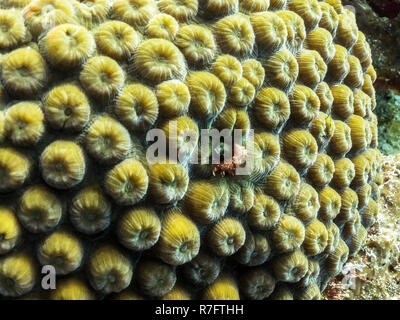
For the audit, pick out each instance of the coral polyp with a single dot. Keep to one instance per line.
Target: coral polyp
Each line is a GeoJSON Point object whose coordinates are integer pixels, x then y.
{"type": "Point", "coordinates": [116, 39]}
{"type": "Point", "coordinates": [282, 69]}
{"type": "Point", "coordinates": [14, 167]}
{"type": "Point", "coordinates": [180, 10]}
{"type": "Point", "coordinates": [102, 77]}
{"type": "Point", "coordinates": [257, 284]}
{"type": "Point", "coordinates": [137, 107]}
{"type": "Point", "coordinates": [235, 35]}
{"type": "Point", "coordinates": [270, 31]}
{"type": "Point", "coordinates": [184, 149]}
{"type": "Point", "coordinates": [197, 44]}
{"type": "Point", "coordinates": [162, 26]}
{"type": "Point", "coordinates": [17, 272]}
{"type": "Point", "coordinates": [24, 72]}
{"type": "Point", "coordinates": [321, 41]}
{"type": "Point", "coordinates": [136, 13]}
{"type": "Point", "coordinates": [154, 277]}
{"type": "Point", "coordinates": [107, 140]}
{"type": "Point", "coordinates": [67, 46]}
{"type": "Point", "coordinates": [14, 31]}
{"type": "Point", "coordinates": [109, 270]}
{"type": "Point", "coordinates": [43, 15]}
{"type": "Point", "coordinates": [10, 229]}
{"type": "Point", "coordinates": [66, 107]}
{"type": "Point", "coordinates": [312, 68]}
{"type": "Point", "coordinates": [62, 250]}
{"type": "Point", "coordinates": [179, 239]}
{"type": "Point", "coordinates": [139, 229]}
{"type": "Point", "coordinates": [271, 108]}
{"type": "Point", "coordinates": [24, 123]}
{"type": "Point", "coordinates": [289, 234]}
{"type": "Point", "coordinates": [90, 210]}
{"type": "Point", "coordinates": [127, 182]}
{"type": "Point", "coordinates": [296, 30]}
{"type": "Point", "coordinates": [209, 92]}
{"type": "Point", "coordinates": [168, 182]}
{"type": "Point", "coordinates": [39, 210]}
{"type": "Point", "coordinates": [265, 212]}
{"type": "Point", "coordinates": [71, 289]}
{"type": "Point", "coordinates": [228, 69]}
{"type": "Point", "coordinates": [224, 288]}
{"type": "Point", "coordinates": [253, 72]}
{"type": "Point", "coordinates": [63, 164]}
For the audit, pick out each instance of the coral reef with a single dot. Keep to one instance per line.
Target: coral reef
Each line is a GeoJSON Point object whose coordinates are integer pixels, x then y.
{"type": "Point", "coordinates": [374, 274]}
{"type": "Point", "coordinates": [81, 87]}
{"type": "Point", "coordinates": [380, 21]}
{"type": "Point", "coordinates": [389, 120]}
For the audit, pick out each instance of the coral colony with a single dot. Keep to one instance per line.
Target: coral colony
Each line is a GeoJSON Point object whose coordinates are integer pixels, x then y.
{"type": "Point", "coordinates": [83, 83]}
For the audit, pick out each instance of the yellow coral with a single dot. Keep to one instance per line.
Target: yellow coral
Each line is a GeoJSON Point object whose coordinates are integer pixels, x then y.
{"type": "Point", "coordinates": [9, 229]}
{"type": "Point", "coordinates": [67, 46]}
{"type": "Point", "coordinates": [127, 182]}
{"type": "Point", "coordinates": [13, 30]}
{"type": "Point", "coordinates": [24, 72]}
{"type": "Point", "coordinates": [235, 35]}
{"type": "Point", "coordinates": [105, 173]}
{"type": "Point", "coordinates": [14, 169]}
{"type": "Point", "coordinates": [158, 60]}
{"type": "Point", "coordinates": [39, 210]}
{"type": "Point", "coordinates": [102, 77]}
{"type": "Point", "coordinates": [24, 123]}
{"type": "Point", "coordinates": [63, 164]}
{"type": "Point", "coordinates": [197, 44]}
{"type": "Point", "coordinates": [137, 107]}
{"type": "Point", "coordinates": [116, 39]}
{"type": "Point", "coordinates": [136, 13]}
{"type": "Point", "coordinates": [179, 239]}
{"type": "Point", "coordinates": [67, 107]}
